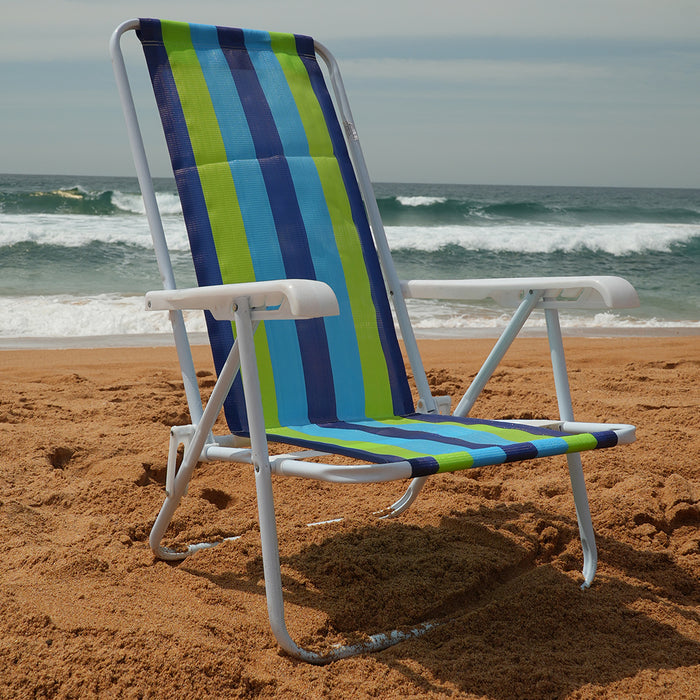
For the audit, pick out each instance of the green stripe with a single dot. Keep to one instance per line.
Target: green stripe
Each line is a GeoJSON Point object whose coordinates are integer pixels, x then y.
{"type": "Point", "coordinates": [217, 184]}
{"type": "Point", "coordinates": [454, 461]}
{"type": "Point", "coordinates": [370, 447]}
{"type": "Point", "coordinates": [581, 442]}
{"type": "Point", "coordinates": [378, 400]}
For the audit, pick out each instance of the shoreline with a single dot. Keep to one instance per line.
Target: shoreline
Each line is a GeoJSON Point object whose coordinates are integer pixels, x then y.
{"type": "Point", "coordinates": [136, 340]}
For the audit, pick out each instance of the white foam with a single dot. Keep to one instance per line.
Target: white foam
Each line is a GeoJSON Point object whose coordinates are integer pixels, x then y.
{"type": "Point", "coordinates": [76, 230]}
{"type": "Point", "coordinates": [614, 239]}
{"type": "Point", "coordinates": [420, 201]}
{"type": "Point", "coordinates": [66, 316]}
{"type": "Point", "coordinates": [62, 315]}
{"type": "Point", "coordinates": [168, 203]}
{"type": "Point", "coordinates": [428, 315]}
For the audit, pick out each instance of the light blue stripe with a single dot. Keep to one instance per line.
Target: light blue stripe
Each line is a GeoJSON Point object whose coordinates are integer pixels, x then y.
{"type": "Point", "coordinates": [257, 216]}
{"type": "Point", "coordinates": [346, 365]}
{"type": "Point", "coordinates": [464, 433]}
{"type": "Point", "coordinates": [277, 93]}
{"type": "Point", "coordinates": [420, 448]}
{"type": "Point", "coordinates": [485, 456]}
{"type": "Point", "coordinates": [550, 446]}
{"type": "Point", "coordinates": [348, 381]}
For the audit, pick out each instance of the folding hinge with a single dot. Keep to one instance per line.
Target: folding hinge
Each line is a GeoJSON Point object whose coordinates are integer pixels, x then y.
{"type": "Point", "coordinates": [179, 435]}
{"type": "Point", "coordinates": [443, 404]}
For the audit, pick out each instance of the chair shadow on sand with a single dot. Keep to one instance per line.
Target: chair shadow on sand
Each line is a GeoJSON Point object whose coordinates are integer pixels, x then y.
{"type": "Point", "coordinates": [514, 621]}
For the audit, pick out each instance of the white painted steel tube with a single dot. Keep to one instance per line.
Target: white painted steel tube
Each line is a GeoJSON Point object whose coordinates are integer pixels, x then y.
{"type": "Point", "coordinates": [155, 224]}
{"type": "Point", "coordinates": [391, 278]}
{"type": "Point", "coordinates": [196, 446]}
{"type": "Point", "coordinates": [566, 413]}
{"type": "Point", "coordinates": [499, 350]}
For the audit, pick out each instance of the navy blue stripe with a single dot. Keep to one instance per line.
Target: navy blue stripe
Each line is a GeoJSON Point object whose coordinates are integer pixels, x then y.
{"type": "Point", "coordinates": [181, 154]}
{"type": "Point", "coordinates": [194, 207]}
{"type": "Point", "coordinates": [407, 434]}
{"type": "Point", "coordinates": [606, 438]}
{"type": "Point", "coordinates": [344, 450]}
{"type": "Point", "coordinates": [423, 466]}
{"type": "Point", "coordinates": [401, 392]}
{"type": "Point", "coordinates": [519, 451]}
{"type": "Point", "coordinates": [291, 234]}
{"type": "Point", "coordinates": [505, 425]}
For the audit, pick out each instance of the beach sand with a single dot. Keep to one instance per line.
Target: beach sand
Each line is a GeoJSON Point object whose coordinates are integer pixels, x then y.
{"type": "Point", "coordinates": [86, 611]}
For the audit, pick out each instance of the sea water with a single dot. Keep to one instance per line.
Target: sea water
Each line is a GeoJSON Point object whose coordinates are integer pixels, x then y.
{"type": "Point", "coordinates": [76, 256]}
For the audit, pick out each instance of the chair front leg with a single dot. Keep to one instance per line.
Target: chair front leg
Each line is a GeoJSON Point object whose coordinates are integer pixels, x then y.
{"type": "Point", "coordinates": [191, 456]}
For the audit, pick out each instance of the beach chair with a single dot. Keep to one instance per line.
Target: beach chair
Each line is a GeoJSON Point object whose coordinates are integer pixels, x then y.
{"type": "Point", "coordinates": [297, 284]}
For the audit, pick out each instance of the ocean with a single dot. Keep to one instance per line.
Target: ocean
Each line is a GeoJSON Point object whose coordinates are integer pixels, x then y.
{"type": "Point", "coordinates": [75, 255]}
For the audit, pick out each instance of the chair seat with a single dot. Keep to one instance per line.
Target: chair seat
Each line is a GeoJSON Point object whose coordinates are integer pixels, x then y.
{"type": "Point", "coordinates": [434, 443]}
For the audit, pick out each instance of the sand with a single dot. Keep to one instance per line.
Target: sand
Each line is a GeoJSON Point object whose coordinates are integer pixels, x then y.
{"type": "Point", "coordinates": [86, 611]}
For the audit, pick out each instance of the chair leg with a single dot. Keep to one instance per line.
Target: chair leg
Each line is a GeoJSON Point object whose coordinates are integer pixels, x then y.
{"type": "Point", "coordinates": [404, 503]}
{"type": "Point", "coordinates": [578, 484]}
{"type": "Point", "coordinates": [192, 454]}
{"type": "Point", "coordinates": [583, 515]}
{"type": "Point", "coordinates": [174, 494]}
{"type": "Point", "coordinates": [266, 515]}
{"type": "Point", "coordinates": [275, 595]}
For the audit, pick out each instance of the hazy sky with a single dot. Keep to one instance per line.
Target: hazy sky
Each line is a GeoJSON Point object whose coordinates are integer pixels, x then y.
{"type": "Point", "coordinates": [568, 92]}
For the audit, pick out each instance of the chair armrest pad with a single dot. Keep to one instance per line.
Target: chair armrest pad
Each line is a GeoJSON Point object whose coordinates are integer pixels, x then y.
{"type": "Point", "coordinates": [591, 292]}
{"type": "Point", "coordinates": [273, 299]}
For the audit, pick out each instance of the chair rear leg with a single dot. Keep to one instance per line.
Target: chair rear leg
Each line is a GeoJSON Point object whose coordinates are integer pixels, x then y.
{"type": "Point", "coordinates": [566, 412]}
{"type": "Point", "coordinates": [583, 515]}
{"type": "Point", "coordinates": [407, 499]}
{"type": "Point", "coordinates": [177, 490]}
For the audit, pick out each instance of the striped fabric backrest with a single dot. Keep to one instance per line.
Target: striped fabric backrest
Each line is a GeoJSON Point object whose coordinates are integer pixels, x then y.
{"type": "Point", "coordinates": [268, 192]}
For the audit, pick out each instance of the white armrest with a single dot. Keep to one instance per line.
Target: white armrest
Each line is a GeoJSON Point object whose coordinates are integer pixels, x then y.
{"type": "Point", "coordinates": [560, 292]}
{"type": "Point", "coordinates": [279, 299]}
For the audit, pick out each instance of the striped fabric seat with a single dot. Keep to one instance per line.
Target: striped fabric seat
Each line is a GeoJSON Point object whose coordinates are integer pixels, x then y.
{"type": "Point", "coordinates": [268, 192]}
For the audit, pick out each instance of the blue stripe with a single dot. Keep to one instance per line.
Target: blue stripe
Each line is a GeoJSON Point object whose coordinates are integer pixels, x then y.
{"type": "Point", "coordinates": [457, 437]}
{"type": "Point", "coordinates": [401, 392]}
{"type": "Point", "coordinates": [289, 226]}
{"type": "Point", "coordinates": [347, 450]}
{"type": "Point", "coordinates": [257, 216]}
{"type": "Point", "coordinates": [344, 352]}
{"type": "Point", "coordinates": [453, 434]}
{"type": "Point", "coordinates": [348, 380]}
{"type": "Point", "coordinates": [418, 443]}
{"type": "Point", "coordinates": [194, 206]}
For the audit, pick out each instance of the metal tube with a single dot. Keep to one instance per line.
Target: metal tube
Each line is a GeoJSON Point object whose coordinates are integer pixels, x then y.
{"type": "Point", "coordinates": [155, 223]}
{"type": "Point", "coordinates": [384, 252]}
{"type": "Point", "coordinates": [566, 413]}
{"type": "Point", "coordinates": [499, 350]}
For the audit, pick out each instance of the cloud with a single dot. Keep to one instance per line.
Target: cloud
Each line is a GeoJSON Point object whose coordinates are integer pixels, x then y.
{"type": "Point", "coordinates": [600, 92]}
{"type": "Point", "coordinates": [68, 29]}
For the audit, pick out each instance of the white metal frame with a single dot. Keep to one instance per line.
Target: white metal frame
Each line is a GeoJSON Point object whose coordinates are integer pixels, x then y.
{"type": "Point", "coordinates": [248, 304]}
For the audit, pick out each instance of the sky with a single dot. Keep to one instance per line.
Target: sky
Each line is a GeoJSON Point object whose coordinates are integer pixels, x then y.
{"type": "Point", "coordinates": [534, 92]}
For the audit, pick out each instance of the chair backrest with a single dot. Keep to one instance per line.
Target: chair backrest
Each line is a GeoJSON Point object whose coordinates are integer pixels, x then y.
{"type": "Point", "coordinates": [268, 191]}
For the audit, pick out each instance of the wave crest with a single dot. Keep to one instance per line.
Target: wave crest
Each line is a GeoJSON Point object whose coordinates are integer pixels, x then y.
{"type": "Point", "coordinates": [79, 201]}
{"type": "Point", "coordinates": [617, 240]}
